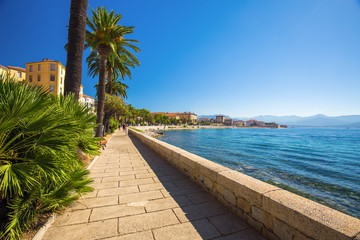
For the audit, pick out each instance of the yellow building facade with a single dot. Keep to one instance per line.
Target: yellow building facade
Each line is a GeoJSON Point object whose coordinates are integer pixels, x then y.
{"type": "Point", "coordinates": [18, 73]}
{"type": "Point", "coordinates": [47, 73]}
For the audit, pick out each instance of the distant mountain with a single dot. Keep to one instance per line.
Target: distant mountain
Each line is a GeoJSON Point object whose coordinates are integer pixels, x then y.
{"type": "Point", "coordinates": [318, 120]}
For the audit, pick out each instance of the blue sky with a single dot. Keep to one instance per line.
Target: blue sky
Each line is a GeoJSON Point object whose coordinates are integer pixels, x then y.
{"type": "Point", "coordinates": [240, 58]}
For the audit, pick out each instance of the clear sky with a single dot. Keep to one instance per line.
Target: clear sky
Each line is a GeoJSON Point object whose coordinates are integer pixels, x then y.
{"type": "Point", "coordinates": [235, 57]}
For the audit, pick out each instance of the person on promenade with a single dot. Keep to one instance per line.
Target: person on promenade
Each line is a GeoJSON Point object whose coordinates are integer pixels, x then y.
{"type": "Point", "coordinates": [126, 129]}
{"type": "Point", "coordinates": [123, 127]}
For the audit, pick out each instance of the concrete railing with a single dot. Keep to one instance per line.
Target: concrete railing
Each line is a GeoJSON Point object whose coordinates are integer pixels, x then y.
{"type": "Point", "coordinates": [274, 212]}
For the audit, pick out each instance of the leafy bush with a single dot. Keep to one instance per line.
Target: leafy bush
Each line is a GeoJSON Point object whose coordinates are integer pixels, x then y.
{"type": "Point", "coordinates": [40, 136]}
{"type": "Point", "coordinates": [113, 124]}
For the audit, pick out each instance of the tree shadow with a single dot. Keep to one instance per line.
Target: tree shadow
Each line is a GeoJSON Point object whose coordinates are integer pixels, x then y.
{"type": "Point", "coordinates": [206, 215]}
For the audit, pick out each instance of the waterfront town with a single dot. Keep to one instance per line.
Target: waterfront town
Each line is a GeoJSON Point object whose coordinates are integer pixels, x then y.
{"type": "Point", "coordinates": [219, 120]}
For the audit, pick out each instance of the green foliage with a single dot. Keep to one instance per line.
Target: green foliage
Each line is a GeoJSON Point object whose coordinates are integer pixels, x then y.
{"type": "Point", "coordinates": [40, 136]}
{"type": "Point", "coordinates": [114, 105]}
{"type": "Point", "coordinates": [113, 125]}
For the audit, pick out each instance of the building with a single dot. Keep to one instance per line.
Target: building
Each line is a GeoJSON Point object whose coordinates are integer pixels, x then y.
{"type": "Point", "coordinates": [47, 73]}
{"type": "Point", "coordinates": [239, 123]}
{"type": "Point", "coordinates": [220, 118]}
{"type": "Point", "coordinates": [204, 119]}
{"type": "Point", "coordinates": [3, 70]}
{"type": "Point", "coordinates": [250, 123]}
{"type": "Point", "coordinates": [254, 123]}
{"type": "Point", "coordinates": [18, 73]}
{"type": "Point", "coordinates": [156, 113]}
{"type": "Point", "coordinates": [89, 102]}
{"type": "Point", "coordinates": [272, 125]}
{"type": "Point", "coordinates": [173, 115]}
{"type": "Point", "coordinates": [228, 121]}
{"type": "Point", "coordinates": [192, 117]}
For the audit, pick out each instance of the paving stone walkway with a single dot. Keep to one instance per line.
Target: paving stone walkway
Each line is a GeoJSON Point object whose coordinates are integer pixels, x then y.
{"type": "Point", "coordinates": [139, 196]}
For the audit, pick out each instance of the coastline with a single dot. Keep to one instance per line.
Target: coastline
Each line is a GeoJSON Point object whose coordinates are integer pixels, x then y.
{"type": "Point", "coordinates": [153, 131]}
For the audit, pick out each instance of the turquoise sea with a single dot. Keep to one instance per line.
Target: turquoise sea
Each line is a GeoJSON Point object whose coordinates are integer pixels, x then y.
{"type": "Point", "coordinates": [318, 163]}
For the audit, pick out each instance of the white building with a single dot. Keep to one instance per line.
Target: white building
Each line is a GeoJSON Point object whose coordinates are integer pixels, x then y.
{"type": "Point", "coordinates": [89, 102]}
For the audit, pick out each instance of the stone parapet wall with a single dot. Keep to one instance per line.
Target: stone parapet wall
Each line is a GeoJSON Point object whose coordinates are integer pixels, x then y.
{"type": "Point", "coordinates": [276, 213]}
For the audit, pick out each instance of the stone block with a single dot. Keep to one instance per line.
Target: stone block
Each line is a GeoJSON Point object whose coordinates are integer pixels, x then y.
{"type": "Point", "coordinates": [283, 231]}
{"type": "Point", "coordinates": [253, 222]}
{"type": "Point", "coordinates": [208, 168]}
{"type": "Point", "coordinates": [116, 211]}
{"type": "Point", "coordinates": [94, 230]}
{"type": "Point", "coordinates": [299, 236]}
{"type": "Point", "coordinates": [198, 211]}
{"type": "Point", "coordinates": [135, 182]}
{"type": "Point", "coordinates": [187, 160]}
{"type": "Point", "coordinates": [244, 186]}
{"type": "Point", "coordinates": [166, 203]}
{"type": "Point", "coordinates": [117, 191]}
{"type": "Point", "coordinates": [243, 205]}
{"type": "Point", "coordinates": [151, 187]}
{"type": "Point", "coordinates": [219, 189]}
{"type": "Point", "coordinates": [138, 197]}
{"type": "Point", "coordinates": [229, 196]}
{"type": "Point", "coordinates": [95, 202]}
{"type": "Point", "coordinates": [312, 219]}
{"type": "Point", "coordinates": [268, 234]}
{"type": "Point", "coordinates": [199, 197]}
{"type": "Point", "coordinates": [146, 235]}
{"type": "Point", "coordinates": [146, 221]}
{"type": "Point", "coordinates": [228, 223]}
{"type": "Point", "coordinates": [263, 217]}
{"type": "Point", "coordinates": [73, 217]}
{"type": "Point", "coordinates": [195, 230]}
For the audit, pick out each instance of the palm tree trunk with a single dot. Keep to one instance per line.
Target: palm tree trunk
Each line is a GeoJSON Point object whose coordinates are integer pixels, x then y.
{"type": "Point", "coordinates": [109, 82]}
{"type": "Point", "coordinates": [107, 122]}
{"type": "Point", "coordinates": [76, 42]}
{"type": "Point", "coordinates": [101, 95]}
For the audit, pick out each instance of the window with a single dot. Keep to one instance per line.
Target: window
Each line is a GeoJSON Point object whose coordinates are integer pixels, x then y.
{"type": "Point", "coordinates": [52, 77]}
{"type": "Point", "coordinates": [52, 68]}
{"type": "Point", "coordinates": [60, 80]}
{"type": "Point", "coordinates": [38, 78]}
{"type": "Point", "coordinates": [62, 70]}
{"type": "Point", "coordinates": [19, 74]}
{"type": "Point", "coordinates": [30, 70]}
{"type": "Point", "coordinates": [39, 67]}
{"type": "Point", "coordinates": [30, 78]}
{"type": "Point", "coordinates": [52, 88]}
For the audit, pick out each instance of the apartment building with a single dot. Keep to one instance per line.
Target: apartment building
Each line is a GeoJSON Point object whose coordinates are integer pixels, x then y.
{"type": "Point", "coordinates": [18, 73]}
{"type": "Point", "coordinates": [220, 118]}
{"type": "Point", "coordinates": [47, 73]}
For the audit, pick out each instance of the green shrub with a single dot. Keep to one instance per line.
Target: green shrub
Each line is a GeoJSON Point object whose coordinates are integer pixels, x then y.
{"type": "Point", "coordinates": [113, 124]}
{"type": "Point", "coordinates": [40, 136]}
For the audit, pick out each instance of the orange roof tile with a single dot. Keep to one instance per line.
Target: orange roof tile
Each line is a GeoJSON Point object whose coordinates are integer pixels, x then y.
{"type": "Point", "coordinates": [17, 68]}
{"type": "Point", "coordinates": [87, 96]}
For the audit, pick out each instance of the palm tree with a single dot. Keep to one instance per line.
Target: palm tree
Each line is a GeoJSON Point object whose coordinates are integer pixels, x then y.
{"type": "Point", "coordinates": [40, 137]}
{"type": "Point", "coordinates": [75, 46]}
{"type": "Point", "coordinates": [117, 64]}
{"type": "Point", "coordinates": [105, 38]}
{"type": "Point", "coordinates": [119, 89]}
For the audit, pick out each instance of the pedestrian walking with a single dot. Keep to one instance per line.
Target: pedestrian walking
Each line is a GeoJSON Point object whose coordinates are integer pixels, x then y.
{"type": "Point", "coordinates": [126, 129]}
{"type": "Point", "coordinates": [123, 127]}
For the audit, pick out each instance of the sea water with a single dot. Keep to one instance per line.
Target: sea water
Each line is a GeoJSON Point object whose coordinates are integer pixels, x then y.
{"type": "Point", "coordinates": [318, 163]}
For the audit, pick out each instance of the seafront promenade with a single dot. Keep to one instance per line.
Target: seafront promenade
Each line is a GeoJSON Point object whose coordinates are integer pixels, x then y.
{"type": "Point", "coordinates": [139, 196]}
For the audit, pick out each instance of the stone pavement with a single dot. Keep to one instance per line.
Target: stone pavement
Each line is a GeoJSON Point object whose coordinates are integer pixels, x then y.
{"type": "Point", "coordinates": [139, 196]}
